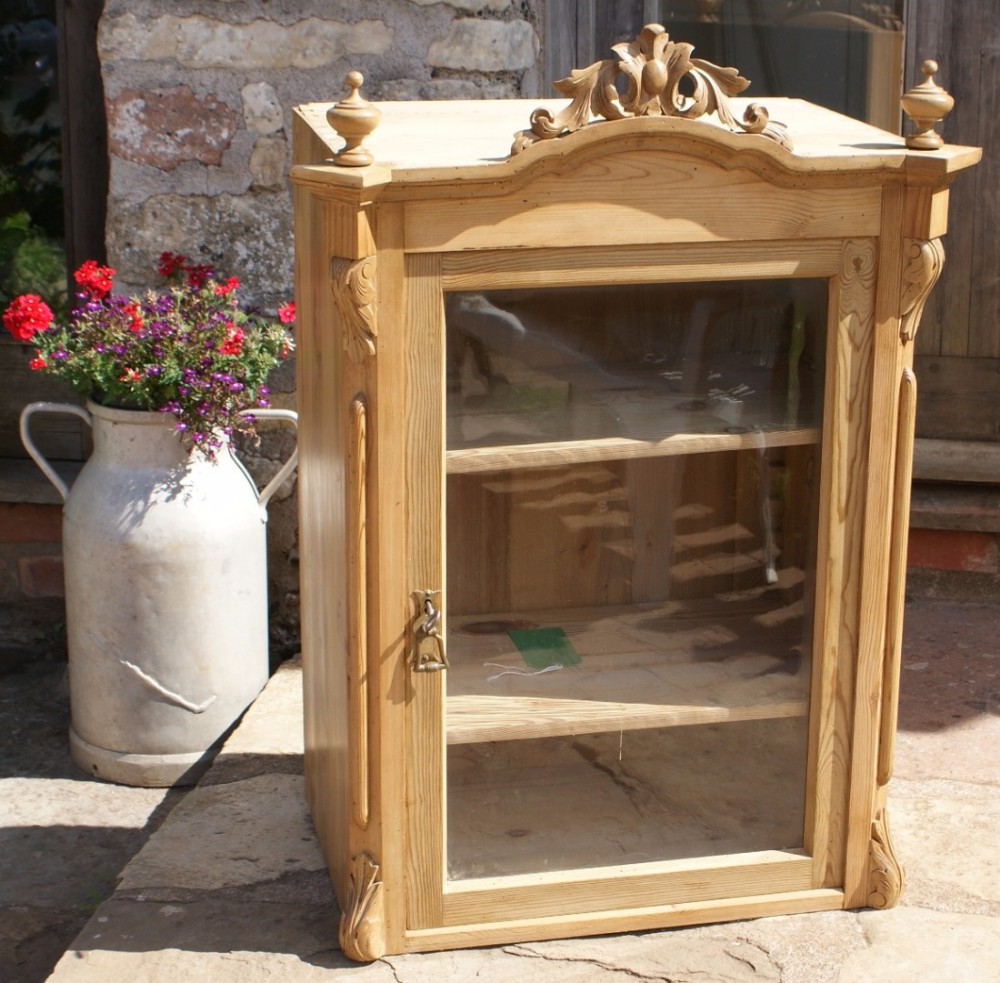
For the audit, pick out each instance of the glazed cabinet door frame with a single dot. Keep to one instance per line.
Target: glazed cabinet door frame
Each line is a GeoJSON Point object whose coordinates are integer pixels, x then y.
{"type": "Point", "coordinates": [668, 892]}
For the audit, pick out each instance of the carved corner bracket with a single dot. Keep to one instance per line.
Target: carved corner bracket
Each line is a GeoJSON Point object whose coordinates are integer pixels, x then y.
{"type": "Point", "coordinates": [885, 875]}
{"type": "Point", "coordinates": [923, 261]}
{"type": "Point", "coordinates": [653, 67]}
{"type": "Point", "coordinates": [353, 285]}
{"type": "Point", "coordinates": [362, 924]}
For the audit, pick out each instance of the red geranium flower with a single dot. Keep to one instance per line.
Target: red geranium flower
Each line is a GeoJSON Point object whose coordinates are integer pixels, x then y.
{"type": "Point", "coordinates": [197, 275]}
{"type": "Point", "coordinates": [96, 280]}
{"type": "Point", "coordinates": [132, 311]}
{"type": "Point", "coordinates": [38, 363]}
{"type": "Point", "coordinates": [223, 289]}
{"type": "Point", "coordinates": [25, 315]}
{"type": "Point", "coordinates": [170, 263]}
{"type": "Point", "coordinates": [233, 345]}
{"type": "Point", "coordinates": [286, 313]}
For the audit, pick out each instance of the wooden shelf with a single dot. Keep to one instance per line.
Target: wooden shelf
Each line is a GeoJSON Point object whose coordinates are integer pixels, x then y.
{"type": "Point", "coordinates": [502, 458]}
{"type": "Point", "coordinates": [641, 667]}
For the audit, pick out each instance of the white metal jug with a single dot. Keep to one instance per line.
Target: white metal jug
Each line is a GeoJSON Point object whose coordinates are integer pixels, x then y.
{"type": "Point", "coordinates": [166, 594]}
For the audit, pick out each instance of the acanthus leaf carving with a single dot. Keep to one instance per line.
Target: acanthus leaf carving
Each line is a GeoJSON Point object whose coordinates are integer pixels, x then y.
{"type": "Point", "coordinates": [362, 923]}
{"type": "Point", "coordinates": [923, 261]}
{"type": "Point", "coordinates": [353, 284]}
{"type": "Point", "coordinates": [654, 67]}
{"type": "Point", "coordinates": [885, 875]}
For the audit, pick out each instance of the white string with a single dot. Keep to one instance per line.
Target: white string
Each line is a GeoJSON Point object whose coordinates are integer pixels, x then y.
{"type": "Point", "coordinates": [517, 671]}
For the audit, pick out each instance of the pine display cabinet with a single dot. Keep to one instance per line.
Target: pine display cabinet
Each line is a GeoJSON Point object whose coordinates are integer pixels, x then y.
{"type": "Point", "coordinates": [604, 476]}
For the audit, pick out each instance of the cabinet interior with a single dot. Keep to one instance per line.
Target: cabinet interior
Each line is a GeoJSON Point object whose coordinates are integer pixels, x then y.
{"type": "Point", "coordinates": [631, 500]}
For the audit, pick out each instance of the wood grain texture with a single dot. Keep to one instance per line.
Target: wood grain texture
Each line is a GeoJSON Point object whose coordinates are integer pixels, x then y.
{"type": "Point", "coordinates": [846, 402]}
{"type": "Point", "coordinates": [653, 263]}
{"type": "Point", "coordinates": [424, 482]}
{"type": "Point", "coordinates": [662, 198]}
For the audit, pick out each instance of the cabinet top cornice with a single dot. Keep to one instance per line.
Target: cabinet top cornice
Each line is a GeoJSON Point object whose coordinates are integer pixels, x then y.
{"type": "Point", "coordinates": [467, 143]}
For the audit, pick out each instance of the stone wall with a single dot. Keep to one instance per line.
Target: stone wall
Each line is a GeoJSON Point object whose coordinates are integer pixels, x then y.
{"type": "Point", "coordinates": [199, 96]}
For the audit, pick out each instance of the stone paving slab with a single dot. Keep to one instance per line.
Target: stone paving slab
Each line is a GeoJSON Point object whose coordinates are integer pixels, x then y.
{"type": "Point", "coordinates": [232, 886]}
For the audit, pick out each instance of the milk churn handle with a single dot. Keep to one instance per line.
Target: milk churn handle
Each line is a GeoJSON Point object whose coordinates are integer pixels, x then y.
{"type": "Point", "coordinates": [29, 445]}
{"type": "Point", "coordinates": [289, 466]}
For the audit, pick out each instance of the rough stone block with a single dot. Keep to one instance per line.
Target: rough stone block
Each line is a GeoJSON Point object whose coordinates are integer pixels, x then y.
{"type": "Point", "coordinates": [203, 42]}
{"type": "Point", "coordinates": [486, 46]}
{"type": "Point", "coordinates": [164, 128]}
{"type": "Point", "coordinates": [248, 236]}
{"type": "Point", "coordinates": [472, 6]}
{"type": "Point", "coordinates": [262, 108]}
{"type": "Point", "coordinates": [407, 89]}
{"type": "Point", "coordinates": [269, 163]}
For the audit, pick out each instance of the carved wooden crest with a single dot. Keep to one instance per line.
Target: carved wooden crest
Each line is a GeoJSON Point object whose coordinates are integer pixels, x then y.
{"type": "Point", "coordinates": [653, 67]}
{"type": "Point", "coordinates": [353, 284]}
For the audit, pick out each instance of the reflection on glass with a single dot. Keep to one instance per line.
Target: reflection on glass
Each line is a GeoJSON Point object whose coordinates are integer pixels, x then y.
{"type": "Point", "coordinates": [634, 362]}
{"type": "Point", "coordinates": [846, 55]}
{"type": "Point", "coordinates": [631, 505]}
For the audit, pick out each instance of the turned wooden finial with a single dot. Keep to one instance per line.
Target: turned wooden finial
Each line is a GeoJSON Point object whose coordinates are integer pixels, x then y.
{"type": "Point", "coordinates": [353, 118]}
{"type": "Point", "coordinates": [926, 104]}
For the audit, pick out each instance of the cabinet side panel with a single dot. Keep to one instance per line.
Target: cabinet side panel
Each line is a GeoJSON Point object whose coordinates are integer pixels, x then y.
{"type": "Point", "coordinates": [321, 537]}
{"type": "Point", "coordinates": [883, 386]}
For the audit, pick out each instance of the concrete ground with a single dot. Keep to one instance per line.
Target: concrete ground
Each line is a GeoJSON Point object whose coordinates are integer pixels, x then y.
{"type": "Point", "coordinates": [225, 882]}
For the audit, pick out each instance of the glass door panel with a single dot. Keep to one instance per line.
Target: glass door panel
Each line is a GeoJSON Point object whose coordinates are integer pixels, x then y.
{"type": "Point", "coordinates": [631, 506]}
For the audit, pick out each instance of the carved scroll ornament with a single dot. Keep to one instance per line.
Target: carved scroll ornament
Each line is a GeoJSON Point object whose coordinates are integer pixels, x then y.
{"type": "Point", "coordinates": [362, 924]}
{"type": "Point", "coordinates": [653, 67]}
{"type": "Point", "coordinates": [353, 284]}
{"type": "Point", "coordinates": [885, 875]}
{"type": "Point", "coordinates": [922, 264]}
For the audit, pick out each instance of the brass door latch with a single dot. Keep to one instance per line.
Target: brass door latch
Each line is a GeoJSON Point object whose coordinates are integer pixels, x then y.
{"type": "Point", "coordinates": [428, 650]}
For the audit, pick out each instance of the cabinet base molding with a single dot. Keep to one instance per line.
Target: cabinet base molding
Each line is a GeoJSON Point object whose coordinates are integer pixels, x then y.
{"type": "Point", "coordinates": [362, 924]}
{"type": "Point", "coordinates": [625, 920]}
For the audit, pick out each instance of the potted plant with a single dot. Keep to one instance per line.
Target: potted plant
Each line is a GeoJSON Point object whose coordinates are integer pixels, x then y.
{"type": "Point", "coordinates": [163, 531]}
